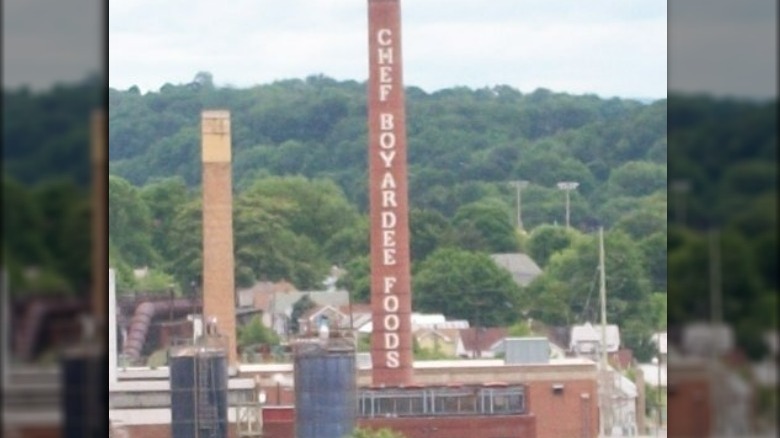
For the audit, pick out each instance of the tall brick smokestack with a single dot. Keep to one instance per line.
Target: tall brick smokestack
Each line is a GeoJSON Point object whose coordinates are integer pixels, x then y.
{"type": "Point", "coordinates": [99, 162]}
{"type": "Point", "coordinates": [391, 295]}
{"type": "Point", "coordinates": [218, 273]}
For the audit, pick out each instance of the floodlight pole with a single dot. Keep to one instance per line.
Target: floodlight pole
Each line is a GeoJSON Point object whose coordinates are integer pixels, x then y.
{"type": "Point", "coordinates": [519, 186]}
{"type": "Point", "coordinates": [568, 186]}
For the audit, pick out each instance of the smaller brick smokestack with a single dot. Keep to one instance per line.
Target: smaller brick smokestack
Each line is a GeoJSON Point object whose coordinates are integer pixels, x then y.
{"type": "Point", "coordinates": [218, 266]}
{"type": "Point", "coordinates": [99, 251]}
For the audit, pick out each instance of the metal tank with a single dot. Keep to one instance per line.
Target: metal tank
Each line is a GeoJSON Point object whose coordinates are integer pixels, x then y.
{"type": "Point", "coordinates": [84, 391]}
{"type": "Point", "coordinates": [199, 387]}
{"type": "Point", "coordinates": [325, 388]}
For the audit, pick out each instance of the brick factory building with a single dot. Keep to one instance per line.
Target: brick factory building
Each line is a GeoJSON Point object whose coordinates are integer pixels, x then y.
{"type": "Point", "coordinates": [559, 399]}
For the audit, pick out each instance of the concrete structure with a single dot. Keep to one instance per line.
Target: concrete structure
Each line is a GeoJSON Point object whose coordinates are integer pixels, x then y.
{"type": "Point", "coordinates": [218, 267]}
{"type": "Point", "coordinates": [391, 298]}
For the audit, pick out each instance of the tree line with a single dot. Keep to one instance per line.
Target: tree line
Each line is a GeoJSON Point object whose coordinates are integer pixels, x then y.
{"type": "Point", "coordinates": [300, 205]}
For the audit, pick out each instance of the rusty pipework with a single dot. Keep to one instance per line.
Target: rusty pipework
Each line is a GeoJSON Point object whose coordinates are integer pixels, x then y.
{"type": "Point", "coordinates": [144, 315]}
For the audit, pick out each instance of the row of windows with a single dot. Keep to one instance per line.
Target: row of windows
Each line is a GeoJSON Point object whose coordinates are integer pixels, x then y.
{"type": "Point", "coordinates": [409, 403]}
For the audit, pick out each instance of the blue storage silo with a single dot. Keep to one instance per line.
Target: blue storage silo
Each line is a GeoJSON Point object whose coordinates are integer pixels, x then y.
{"type": "Point", "coordinates": [199, 377]}
{"type": "Point", "coordinates": [84, 391]}
{"type": "Point", "coordinates": [325, 390]}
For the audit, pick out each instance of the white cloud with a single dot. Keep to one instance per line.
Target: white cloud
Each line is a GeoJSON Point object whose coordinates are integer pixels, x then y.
{"type": "Point", "coordinates": [608, 47]}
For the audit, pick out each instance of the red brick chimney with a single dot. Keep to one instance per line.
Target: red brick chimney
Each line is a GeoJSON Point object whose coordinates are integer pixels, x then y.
{"type": "Point", "coordinates": [391, 295]}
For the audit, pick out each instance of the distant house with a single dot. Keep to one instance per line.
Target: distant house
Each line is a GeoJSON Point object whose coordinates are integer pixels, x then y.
{"type": "Point", "coordinates": [480, 342]}
{"type": "Point", "coordinates": [256, 300]}
{"type": "Point", "coordinates": [522, 268]}
{"type": "Point", "coordinates": [281, 306]}
{"type": "Point", "coordinates": [659, 339]}
{"type": "Point", "coordinates": [423, 321]}
{"type": "Point", "coordinates": [585, 339]}
{"type": "Point", "coordinates": [444, 340]}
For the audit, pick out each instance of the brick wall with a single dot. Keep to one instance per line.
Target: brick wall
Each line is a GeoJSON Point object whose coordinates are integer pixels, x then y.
{"type": "Point", "coordinates": [689, 400]}
{"type": "Point", "coordinates": [218, 265]}
{"type": "Point", "coordinates": [458, 427]}
{"type": "Point", "coordinates": [563, 412]}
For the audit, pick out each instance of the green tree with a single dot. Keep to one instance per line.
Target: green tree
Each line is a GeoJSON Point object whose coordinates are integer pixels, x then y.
{"type": "Point", "coordinates": [254, 333]}
{"type": "Point", "coordinates": [571, 281]}
{"type": "Point", "coordinates": [462, 284]}
{"type": "Point", "coordinates": [546, 240]}
{"type": "Point", "coordinates": [129, 223]}
{"type": "Point", "coordinates": [637, 178]}
{"type": "Point", "coordinates": [428, 230]}
{"type": "Point", "coordinates": [163, 197]}
{"type": "Point", "coordinates": [485, 226]}
{"type": "Point", "coordinates": [357, 279]}
{"type": "Point", "coordinates": [654, 251]}
{"type": "Point", "coordinates": [23, 224]}
{"type": "Point", "coordinates": [300, 307]}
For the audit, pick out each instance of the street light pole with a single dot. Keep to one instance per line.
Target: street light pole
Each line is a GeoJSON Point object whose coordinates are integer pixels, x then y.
{"type": "Point", "coordinates": [568, 186]}
{"type": "Point", "coordinates": [519, 186]}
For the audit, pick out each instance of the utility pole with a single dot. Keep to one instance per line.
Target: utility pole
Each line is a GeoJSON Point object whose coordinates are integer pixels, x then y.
{"type": "Point", "coordinates": [605, 399]}
{"type": "Point", "coordinates": [519, 186]}
{"type": "Point", "coordinates": [568, 186]}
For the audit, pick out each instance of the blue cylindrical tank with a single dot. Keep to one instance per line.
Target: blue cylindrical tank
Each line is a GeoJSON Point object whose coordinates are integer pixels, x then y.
{"type": "Point", "coordinates": [84, 391]}
{"type": "Point", "coordinates": [199, 394]}
{"type": "Point", "coordinates": [325, 392]}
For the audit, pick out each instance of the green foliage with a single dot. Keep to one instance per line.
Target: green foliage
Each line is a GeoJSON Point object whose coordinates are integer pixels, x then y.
{"type": "Point", "coordinates": [374, 433]}
{"type": "Point", "coordinates": [255, 333]}
{"type": "Point", "coordinates": [357, 279]}
{"type": "Point", "coordinates": [129, 223]}
{"type": "Point", "coordinates": [519, 329]}
{"type": "Point", "coordinates": [485, 226]}
{"type": "Point", "coordinates": [637, 178]}
{"type": "Point", "coordinates": [546, 240]}
{"type": "Point", "coordinates": [466, 285]}
{"type": "Point", "coordinates": [45, 133]}
{"type": "Point", "coordinates": [568, 290]}
{"type": "Point", "coordinates": [658, 308]}
{"type": "Point", "coordinates": [157, 282]}
{"type": "Point", "coordinates": [303, 305]}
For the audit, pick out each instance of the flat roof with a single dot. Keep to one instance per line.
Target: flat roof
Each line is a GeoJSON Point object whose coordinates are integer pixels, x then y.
{"type": "Point", "coordinates": [143, 373]}
{"type": "Point", "coordinates": [165, 385]}
{"type": "Point", "coordinates": [498, 363]}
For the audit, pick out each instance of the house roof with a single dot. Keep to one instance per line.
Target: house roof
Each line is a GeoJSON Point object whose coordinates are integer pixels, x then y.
{"type": "Point", "coordinates": [356, 308]}
{"type": "Point", "coordinates": [419, 321]}
{"type": "Point", "coordinates": [481, 338]}
{"type": "Point", "coordinates": [447, 335]}
{"type": "Point", "coordinates": [260, 294]}
{"type": "Point", "coordinates": [522, 267]}
{"type": "Point", "coordinates": [318, 310]}
{"type": "Point", "coordinates": [282, 302]}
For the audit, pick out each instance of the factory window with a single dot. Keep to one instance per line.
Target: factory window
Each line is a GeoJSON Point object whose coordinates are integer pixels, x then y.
{"type": "Point", "coordinates": [442, 402]}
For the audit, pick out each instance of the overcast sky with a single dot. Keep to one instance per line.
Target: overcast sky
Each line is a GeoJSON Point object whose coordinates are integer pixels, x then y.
{"type": "Point", "coordinates": [607, 47]}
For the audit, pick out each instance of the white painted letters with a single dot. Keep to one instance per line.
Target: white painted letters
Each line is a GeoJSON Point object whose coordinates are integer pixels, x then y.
{"type": "Point", "coordinates": [392, 359]}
